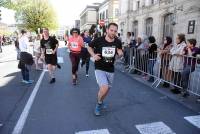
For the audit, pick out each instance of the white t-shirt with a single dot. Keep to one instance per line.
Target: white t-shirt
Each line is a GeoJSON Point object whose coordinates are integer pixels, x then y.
{"type": "Point", "coordinates": [37, 46]}
{"type": "Point", "coordinates": [23, 43]}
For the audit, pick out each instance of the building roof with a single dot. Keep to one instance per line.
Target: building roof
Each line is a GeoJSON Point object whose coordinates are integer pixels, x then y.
{"type": "Point", "coordinates": [105, 1]}
{"type": "Point", "coordinates": [96, 7]}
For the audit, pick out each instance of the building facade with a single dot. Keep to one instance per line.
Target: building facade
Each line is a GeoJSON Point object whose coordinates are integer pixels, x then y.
{"type": "Point", "coordinates": [109, 11]}
{"type": "Point", "coordinates": [77, 24]}
{"type": "Point", "coordinates": [88, 17]}
{"type": "Point", "coordinates": [160, 18]}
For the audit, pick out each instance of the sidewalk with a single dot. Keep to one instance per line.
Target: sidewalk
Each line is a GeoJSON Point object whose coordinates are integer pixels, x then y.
{"type": "Point", "coordinates": [190, 102]}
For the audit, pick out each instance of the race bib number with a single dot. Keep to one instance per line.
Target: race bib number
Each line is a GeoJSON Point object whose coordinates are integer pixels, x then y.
{"type": "Point", "coordinates": [74, 45]}
{"type": "Point", "coordinates": [108, 52]}
{"type": "Point", "coordinates": [49, 51]}
{"type": "Point", "coordinates": [86, 44]}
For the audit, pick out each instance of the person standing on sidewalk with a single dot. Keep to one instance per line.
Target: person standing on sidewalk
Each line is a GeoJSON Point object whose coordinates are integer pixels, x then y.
{"type": "Point", "coordinates": [75, 43]}
{"type": "Point", "coordinates": [1, 41]}
{"type": "Point", "coordinates": [26, 59]}
{"type": "Point", "coordinates": [104, 50]}
{"type": "Point", "coordinates": [49, 47]}
{"type": "Point", "coordinates": [85, 54]}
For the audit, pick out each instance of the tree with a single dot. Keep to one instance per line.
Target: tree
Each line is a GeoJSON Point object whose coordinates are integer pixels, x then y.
{"type": "Point", "coordinates": [4, 2]}
{"type": "Point", "coordinates": [34, 14]}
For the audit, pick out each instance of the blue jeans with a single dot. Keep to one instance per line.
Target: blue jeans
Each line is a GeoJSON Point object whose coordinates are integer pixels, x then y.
{"type": "Point", "coordinates": [25, 73]}
{"type": "Point", "coordinates": [186, 75]}
{"type": "Point", "coordinates": [151, 63]}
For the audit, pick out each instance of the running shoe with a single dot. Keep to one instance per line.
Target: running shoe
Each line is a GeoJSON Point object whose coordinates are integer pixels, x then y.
{"type": "Point", "coordinates": [87, 75]}
{"type": "Point", "coordinates": [53, 80]}
{"type": "Point", "coordinates": [74, 81]}
{"type": "Point", "coordinates": [97, 111]}
{"type": "Point", "coordinates": [27, 81]}
{"type": "Point", "coordinates": [58, 66]}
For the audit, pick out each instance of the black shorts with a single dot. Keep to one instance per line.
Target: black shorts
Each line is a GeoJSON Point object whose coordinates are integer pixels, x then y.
{"type": "Point", "coordinates": [51, 59]}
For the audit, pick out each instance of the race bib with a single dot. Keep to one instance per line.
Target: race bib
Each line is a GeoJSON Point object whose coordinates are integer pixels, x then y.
{"type": "Point", "coordinates": [49, 51]}
{"type": "Point", "coordinates": [74, 45]}
{"type": "Point", "coordinates": [108, 52]}
{"type": "Point", "coordinates": [86, 44]}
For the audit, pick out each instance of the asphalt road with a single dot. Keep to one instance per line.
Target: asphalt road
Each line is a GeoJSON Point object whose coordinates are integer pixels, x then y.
{"type": "Point", "coordinates": [61, 108]}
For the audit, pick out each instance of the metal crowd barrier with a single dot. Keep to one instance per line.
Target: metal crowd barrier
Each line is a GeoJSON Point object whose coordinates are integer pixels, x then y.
{"type": "Point", "coordinates": [182, 72]}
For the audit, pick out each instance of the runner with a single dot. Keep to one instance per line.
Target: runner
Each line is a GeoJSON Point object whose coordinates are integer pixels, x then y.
{"type": "Point", "coordinates": [49, 47]}
{"type": "Point", "coordinates": [103, 50]}
{"type": "Point", "coordinates": [85, 55]}
{"type": "Point", "coordinates": [75, 42]}
{"type": "Point", "coordinates": [37, 52]}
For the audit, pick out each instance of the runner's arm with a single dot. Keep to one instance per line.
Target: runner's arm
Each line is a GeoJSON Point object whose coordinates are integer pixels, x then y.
{"type": "Point", "coordinates": [55, 50]}
{"type": "Point", "coordinates": [120, 52]}
{"type": "Point", "coordinates": [95, 56]}
{"type": "Point", "coordinates": [91, 51]}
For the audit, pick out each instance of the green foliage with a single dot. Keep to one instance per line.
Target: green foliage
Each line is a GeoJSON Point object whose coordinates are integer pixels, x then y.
{"type": "Point", "coordinates": [34, 14]}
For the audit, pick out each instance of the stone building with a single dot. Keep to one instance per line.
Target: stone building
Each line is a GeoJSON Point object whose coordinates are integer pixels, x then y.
{"type": "Point", "coordinates": [160, 18]}
{"type": "Point", "coordinates": [88, 17]}
{"type": "Point", "coordinates": [109, 11]}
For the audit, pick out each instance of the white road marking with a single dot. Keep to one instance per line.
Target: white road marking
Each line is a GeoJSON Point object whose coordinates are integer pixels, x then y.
{"type": "Point", "coordinates": [100, 131]}
{"type": "Point", "coordinates": [194, 120]}
{"type": "Point", "coordinates": [154, 128]}
{"type": "Point", "coordinates": [23, 117]}
{"type": "Point", "coordinates": [60, 60]}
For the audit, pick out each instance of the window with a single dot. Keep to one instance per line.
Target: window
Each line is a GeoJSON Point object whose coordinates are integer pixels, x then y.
{"type": "Point", "coordinates": [149, 26]}
{"type": "Point", "coordinates": [116, 12]}
{"type": "Point", "coordinates": [106, 13]}
{"type": "Point", "coordinates": [103, 16]}
{"type": "Point", "coordinates": [135, 28]}
{"type": "Point", "coordinates": [168, 27]}
{"type": "Point", "coordinates": [100, 16]}
{"type": "Point", "coordinates": [138, 4]}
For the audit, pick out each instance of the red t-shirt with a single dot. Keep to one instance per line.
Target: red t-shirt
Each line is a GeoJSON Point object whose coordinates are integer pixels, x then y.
{"type": "Point", "coordinates": [75, 44]}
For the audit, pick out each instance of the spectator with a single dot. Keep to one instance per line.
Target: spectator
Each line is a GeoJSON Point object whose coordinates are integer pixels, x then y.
{"type": "Point", "coordinates": [119, 37]}
{"type": "Point", "coordinates": [190, 52]}
{"type": "Point", "coordinates": [25, 58]}
{"type": "Point", "coordinates": [143, 49]}
{"type": "Point", "coordinates": [17, 47]}
{"type": "Point", "coordinates": [165, 58]}
{"type": "Point", "coordinates": [176, 63]}
{"type": "Point", "coordinates": [152, 57]}
{"type": "Point", "coordinates": [138, 55]}
{"type": "Point", "coordinates": [1, 44]}
{"type": "Point", "coordinates": [127, 49]}
{"type": "Point", "coordinates": [3, 40]}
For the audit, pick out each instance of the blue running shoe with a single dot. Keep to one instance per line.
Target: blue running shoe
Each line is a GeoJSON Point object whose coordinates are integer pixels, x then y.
{"type": "Point", "coordinates": [27, 82]}
{"type": "Point", "coordinates": [97, 111]}
{"type": "Point", "coordinates": [103, 106]}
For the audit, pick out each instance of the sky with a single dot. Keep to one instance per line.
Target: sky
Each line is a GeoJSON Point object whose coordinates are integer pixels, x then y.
{"type": "Point", "coordinates": [7, 16]}
{"type": "Point", "coordinates": [69, 10]}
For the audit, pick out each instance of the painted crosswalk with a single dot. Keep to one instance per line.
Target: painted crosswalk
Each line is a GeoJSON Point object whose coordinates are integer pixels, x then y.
{"type": "Point", "coordinates": [100, 131]}
{"type": "Point", "coordinates": [194, 120]}
{"type": "Point", "coordinates": [154, 128]}
{"type": "Point", "coordinates": [150, 128]}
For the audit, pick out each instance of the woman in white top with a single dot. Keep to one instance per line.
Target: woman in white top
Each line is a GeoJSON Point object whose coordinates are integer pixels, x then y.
{"type": "Point", "coordinates": [23, 65]}
{"type": "Point", "coordinates": [176, 63]}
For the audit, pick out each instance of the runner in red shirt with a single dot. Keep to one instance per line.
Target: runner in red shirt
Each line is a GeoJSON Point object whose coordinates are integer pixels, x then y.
{"type": "Point", "coordinates": [75, 42]}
